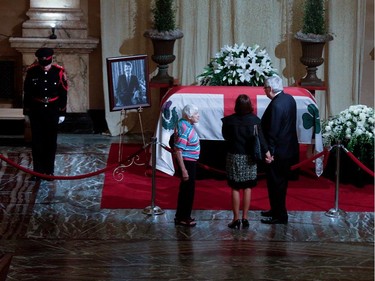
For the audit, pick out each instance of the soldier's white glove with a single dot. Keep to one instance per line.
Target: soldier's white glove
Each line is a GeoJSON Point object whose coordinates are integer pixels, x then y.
{"type": "Point", "coordinates": [27, 119]}
{"type": "Point", "coordinates": [61, 119]}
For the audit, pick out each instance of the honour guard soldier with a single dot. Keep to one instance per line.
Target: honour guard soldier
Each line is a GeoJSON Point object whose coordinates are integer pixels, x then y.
{"type": "Point", "coordinates": [45, 99]}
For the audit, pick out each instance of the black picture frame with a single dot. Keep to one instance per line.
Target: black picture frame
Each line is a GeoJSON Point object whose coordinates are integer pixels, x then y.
{"type": "Point", "coordinates": [128, 93]}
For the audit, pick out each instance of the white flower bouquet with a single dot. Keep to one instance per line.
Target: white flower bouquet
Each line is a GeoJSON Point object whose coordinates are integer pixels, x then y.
{"type": "Point", "coordinates": [354, 128]}
{"type": "Point", "coordinates": [238, 65]}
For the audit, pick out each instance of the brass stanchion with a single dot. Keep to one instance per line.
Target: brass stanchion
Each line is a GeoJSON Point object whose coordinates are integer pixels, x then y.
{"type": "Point", "coordinates": [152, 209]}
{"type": "Point", "coordinates": [336, 212]}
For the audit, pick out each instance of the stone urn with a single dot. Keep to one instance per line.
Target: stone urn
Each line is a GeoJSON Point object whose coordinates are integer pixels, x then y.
{"type": "Point", "coordinates": [312, 56]}
{"type": "Point", "coordinates": [163, 44]}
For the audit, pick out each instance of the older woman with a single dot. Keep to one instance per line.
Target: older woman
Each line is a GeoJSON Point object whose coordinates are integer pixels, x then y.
{"type": "Point", "coordinates": [241, 168]}
{"type": "Point", "coordinates": [187, 149]}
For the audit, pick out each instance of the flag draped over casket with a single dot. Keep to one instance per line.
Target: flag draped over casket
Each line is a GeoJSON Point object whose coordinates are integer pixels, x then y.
{"type": "Point", "coordinates": [215, 102]}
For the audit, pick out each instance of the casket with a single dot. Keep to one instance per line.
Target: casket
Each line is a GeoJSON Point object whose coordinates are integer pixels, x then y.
{"type": "Point", "coordinates": [215, 102]}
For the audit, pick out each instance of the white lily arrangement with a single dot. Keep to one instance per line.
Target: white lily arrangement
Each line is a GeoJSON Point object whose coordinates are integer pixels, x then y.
{"type": "Point", "coordinates": [238, 65]}
{"type": "Point", "coordinates": [355, 129]}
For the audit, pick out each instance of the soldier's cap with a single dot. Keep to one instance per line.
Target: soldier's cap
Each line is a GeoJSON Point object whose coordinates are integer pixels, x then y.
{"type": "Point", "coordinates": [45, 53]}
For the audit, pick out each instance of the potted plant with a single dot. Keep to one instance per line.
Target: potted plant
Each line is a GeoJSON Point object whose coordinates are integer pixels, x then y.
{"type": "Point", "coordinates": [163, 36]}
{"type": "Point", "coordinates": [313, 37]}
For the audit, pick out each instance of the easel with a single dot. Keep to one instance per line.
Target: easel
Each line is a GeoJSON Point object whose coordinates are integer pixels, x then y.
{"type": "Point", "coordinates": [118, 173]}
{"type": "Point", "coordinates": [122, 131]}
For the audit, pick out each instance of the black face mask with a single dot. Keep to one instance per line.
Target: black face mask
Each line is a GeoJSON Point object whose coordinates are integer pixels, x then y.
{"type": "Point", "coordinates": [44, 62]}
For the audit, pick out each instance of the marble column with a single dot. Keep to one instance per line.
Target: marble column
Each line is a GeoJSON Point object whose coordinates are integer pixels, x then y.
{"type": "Point", "coordinates": [72, 46]}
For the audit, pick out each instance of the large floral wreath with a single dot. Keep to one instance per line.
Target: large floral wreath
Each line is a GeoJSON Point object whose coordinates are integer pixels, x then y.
{"type": "Point", "coordinates": [238, 65]}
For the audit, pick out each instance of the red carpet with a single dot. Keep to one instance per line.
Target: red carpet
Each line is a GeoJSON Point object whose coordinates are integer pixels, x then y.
{"type": "Point", "coordinates": [308, 193]}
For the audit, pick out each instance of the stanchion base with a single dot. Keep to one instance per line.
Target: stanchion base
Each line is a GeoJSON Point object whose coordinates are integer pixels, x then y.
{"type": "Point", "coordinates": [153, 210]}
{"type": "Point", "coordinates": [335, 213]}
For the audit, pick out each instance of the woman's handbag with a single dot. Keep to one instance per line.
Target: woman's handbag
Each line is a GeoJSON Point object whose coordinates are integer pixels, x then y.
{"type": "Point", "coordinates": [257, 151]}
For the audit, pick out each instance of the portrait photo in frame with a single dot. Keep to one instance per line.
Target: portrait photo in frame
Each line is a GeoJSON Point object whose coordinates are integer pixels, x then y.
{"type": "Point", "coordinates": [128, 82]}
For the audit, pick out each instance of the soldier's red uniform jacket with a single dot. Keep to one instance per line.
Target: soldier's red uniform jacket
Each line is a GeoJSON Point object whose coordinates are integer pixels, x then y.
{"type": "Point", "coordinates": [45, 88]}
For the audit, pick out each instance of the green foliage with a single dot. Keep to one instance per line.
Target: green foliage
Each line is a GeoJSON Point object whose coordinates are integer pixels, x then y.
{"type": "Point", "coordinates": [164, 15]}
{"type": "Point", "coordinates": [313, 17]}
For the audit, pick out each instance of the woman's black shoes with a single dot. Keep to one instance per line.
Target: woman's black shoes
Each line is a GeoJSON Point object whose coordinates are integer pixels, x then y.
{"type": "Point", "coordinates": [245, 223]}
{"type": "Point", "coordinates": [235, 224]}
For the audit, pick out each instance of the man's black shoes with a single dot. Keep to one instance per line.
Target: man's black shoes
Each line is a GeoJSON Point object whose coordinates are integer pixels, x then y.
{"type": "Point", "coordinates": [34, 178]}
{"type": "Point", "coordinates": [266, 213]}
{"type": "Point", "coordinates": [272, 220]}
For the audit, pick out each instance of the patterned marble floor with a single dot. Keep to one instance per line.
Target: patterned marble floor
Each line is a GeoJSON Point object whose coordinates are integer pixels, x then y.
{"type": "Point", "coordinates": [57, 231]}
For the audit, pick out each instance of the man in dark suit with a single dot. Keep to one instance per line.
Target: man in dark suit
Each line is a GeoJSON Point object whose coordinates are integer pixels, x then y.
{"type": "Point", "coordinates": [279, 128]}
{"type": "Point", "coordinates": [129, 90]}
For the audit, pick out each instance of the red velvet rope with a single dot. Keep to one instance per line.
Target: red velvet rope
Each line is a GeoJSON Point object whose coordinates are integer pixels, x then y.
{"type": "Point", "coordinates": [304, 162]}
{"type": "Point", "coordinates": [324, 153]}
{"type": "Point", "coordinates": [200, 164]}
{"type": "Point", "coordinates": [166, 148]}
{"type": "Point", "coordinates": [2, 157]}
{"type": "Point", "coordinates": [359, 163]}
{"type": "Point", "coordinates": [206, 167]}
{"type": "Point", "coordinates": [44, 176]}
